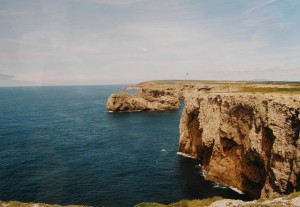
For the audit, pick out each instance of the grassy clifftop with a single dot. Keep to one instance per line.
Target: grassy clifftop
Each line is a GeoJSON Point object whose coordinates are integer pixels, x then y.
{"type": "Point", "coordinates": [291, 200]}
{"type": "Point", "coordinates": [20, 204]}
{"type": "Point", "coordinates": [225, 86]}
{"type": "Point", "coordinates": [183, 203]}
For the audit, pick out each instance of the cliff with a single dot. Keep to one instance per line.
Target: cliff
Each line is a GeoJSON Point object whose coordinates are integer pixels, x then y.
{"type": "Point", "coordinates": [165, 95]}
{"type": "Point", "coordinates": [248, 141]}
{"type": "Point", "coordinates": [246, 134]}
{"type": "Point", "coordinates": [145, 100]}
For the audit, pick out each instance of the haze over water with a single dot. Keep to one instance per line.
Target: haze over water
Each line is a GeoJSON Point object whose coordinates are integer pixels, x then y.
{"type": "Point", "coordinates": [58, 145]}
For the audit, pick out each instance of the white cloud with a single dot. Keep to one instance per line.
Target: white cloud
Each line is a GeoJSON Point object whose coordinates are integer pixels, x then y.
{"type": "Point", "coordinates": [257, 5]}
{"type": "Point", "coordinates": [150, 40]}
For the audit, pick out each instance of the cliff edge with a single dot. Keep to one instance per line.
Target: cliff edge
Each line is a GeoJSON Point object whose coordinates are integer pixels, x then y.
{"type": "Point", "coordinates": [292, 200]}
{"type": "Point", "coordinates": [246, 134]}
{"type": "Point", "coordinates": [248, 141]}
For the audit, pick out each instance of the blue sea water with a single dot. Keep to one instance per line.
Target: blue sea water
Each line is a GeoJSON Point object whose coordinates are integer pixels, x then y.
{"type": "Point", "coordinates": [58, 145]}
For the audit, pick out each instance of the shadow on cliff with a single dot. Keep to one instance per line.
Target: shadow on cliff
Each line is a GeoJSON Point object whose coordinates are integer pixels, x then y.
{"type": "Point", "coordinates": [195, 186]}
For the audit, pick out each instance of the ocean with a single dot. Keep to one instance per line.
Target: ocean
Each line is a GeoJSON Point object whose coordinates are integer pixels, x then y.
{"type": "Point", "coordinates": [58, 145]}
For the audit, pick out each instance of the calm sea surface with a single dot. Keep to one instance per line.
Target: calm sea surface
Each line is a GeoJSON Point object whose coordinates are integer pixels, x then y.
{"type": "Point", "coordinates": [58, 145]}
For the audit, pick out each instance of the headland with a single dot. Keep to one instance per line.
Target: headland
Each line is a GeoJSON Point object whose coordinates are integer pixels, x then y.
{"type": "Point", "coordinates": [245, 134]}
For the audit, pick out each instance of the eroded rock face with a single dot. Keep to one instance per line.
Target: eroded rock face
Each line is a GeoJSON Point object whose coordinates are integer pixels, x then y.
{"type": "Point", "coordinates": [248, 141]}
{"type": "Point", "coordinates": [147, 99]}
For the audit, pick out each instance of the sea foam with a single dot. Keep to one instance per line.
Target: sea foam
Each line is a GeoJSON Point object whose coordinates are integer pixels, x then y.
{"type": "Point", "coordinates": [185, 155]}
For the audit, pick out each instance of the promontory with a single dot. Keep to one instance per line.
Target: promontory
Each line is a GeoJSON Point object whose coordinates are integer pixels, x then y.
{"type": "Point", "coordinates": [245, 134]}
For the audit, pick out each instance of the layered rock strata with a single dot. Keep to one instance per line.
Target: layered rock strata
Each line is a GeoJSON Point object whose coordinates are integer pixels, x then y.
{"type": "Point", "coordinates": [248, 141]}
{"type": "Point", "coordinates": [145, 100]}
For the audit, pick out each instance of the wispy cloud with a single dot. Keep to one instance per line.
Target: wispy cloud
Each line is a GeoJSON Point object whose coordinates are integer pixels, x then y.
{"type": "Point", "coordinates": [105, 41]}
{"type": "Point", "coordinates": [265, 22]}
{"type": "Point", "coordinates": [257, 5]}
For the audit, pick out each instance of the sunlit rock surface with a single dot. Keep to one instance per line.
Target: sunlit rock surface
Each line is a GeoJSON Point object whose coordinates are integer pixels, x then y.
{"type": "Point", "coordinates": [248, 141]}
{"type": "Point", "coordinates": [146, 100]}
{"type": "Point", "coordinates": [246, 134]}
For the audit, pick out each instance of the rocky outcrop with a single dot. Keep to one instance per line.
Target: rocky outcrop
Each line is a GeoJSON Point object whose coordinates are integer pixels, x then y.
{"type": "Point", "coordinates": [146, 100]}
{"type": "Point", "coordinates": [246, 134]}
{"type": "Point", "coordinates": [248, 141]}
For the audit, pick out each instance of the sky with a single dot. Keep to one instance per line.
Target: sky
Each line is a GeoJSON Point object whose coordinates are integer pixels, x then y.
{"type": "Point", "coordinates": [88, 42]}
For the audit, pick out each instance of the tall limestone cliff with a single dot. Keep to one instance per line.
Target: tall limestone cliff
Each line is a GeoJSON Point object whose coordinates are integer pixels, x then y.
{"type": "Point", "coordinates": [245, 140]}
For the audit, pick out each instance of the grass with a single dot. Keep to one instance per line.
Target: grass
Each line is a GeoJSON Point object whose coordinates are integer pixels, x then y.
{"type": "Point", "coordinates": [294, 195]}
{"type": "Point", "coordinates": [230, 86]}
{"type": "Point", "coordinates": [145, 204]}
{"type": "Point", "coordinates": [20, 204]}
{"type": "Point", "coordinates": [270, 89]}
{"type": "Point", "coordinates": [183, 203]}
{"type": "Point", "coordinates": [221, 82]}
{"type": "Point", "coordinates": [262, 200]}
{"type": "Point", "coordinates": [266, 205]}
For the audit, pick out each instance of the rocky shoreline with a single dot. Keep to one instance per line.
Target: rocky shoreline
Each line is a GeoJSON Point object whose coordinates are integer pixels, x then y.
{"type": "Point", "coordinates": [246, 134]}
{"type": "Point", "coordinates": [250, 142]}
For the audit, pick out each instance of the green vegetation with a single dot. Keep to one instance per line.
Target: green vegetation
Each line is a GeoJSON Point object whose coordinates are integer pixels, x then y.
{"type": "Point", "coordinates": [20, 204]}
{"type": "Point", "coordinates": [278, 204]}
{"type": "Point", "coordinates": [183, 203]}
{"type": "Point", "coordinates": [227, 86]}
{"type": "Point", "coordinates": [149, 205]}
{"type": "Point", "coordinates": [294, 195]}
{"type": "Point", "coordinates": [168, 82]}
{"type": "Point", "coordinates": [262, 200]}
{"type": "Point", "coordinates": [270, 90]}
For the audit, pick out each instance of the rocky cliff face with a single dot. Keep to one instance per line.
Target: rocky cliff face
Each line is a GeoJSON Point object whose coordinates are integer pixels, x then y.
{"type": "Point", "coordinates": [248, 141]}
{"type": "Point", "coordinates": [246, 134]}
{"type": "Point", "coordinates": [146, 100]}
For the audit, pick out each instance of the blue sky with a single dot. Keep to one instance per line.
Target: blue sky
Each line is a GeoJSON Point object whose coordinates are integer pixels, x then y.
{"type": "Point", "coordinates": [61, 42]}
